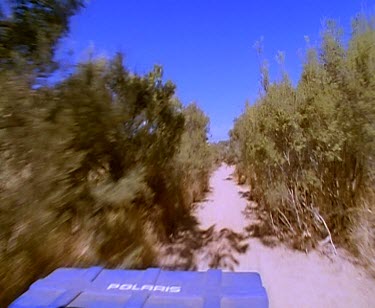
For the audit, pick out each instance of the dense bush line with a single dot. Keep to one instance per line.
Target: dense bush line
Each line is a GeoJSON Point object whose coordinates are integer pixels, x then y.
{"type": "Point", "coordinates": [223, 152]}
{"type": "Point", "coordinates": [195, 159]}
{"type": "Point", "coordinates": [308, 151]}
{"type": "Point", "coordinates": [94, 170]}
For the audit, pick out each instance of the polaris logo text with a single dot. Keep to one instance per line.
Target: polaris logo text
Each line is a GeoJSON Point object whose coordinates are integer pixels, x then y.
{"type": "Point", "coordinates": [148, 287]}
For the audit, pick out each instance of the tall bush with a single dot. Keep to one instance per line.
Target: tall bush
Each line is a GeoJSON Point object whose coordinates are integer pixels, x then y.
{"type": "Point", "coordinates": [307, 151]}
{"type": "Point", "coordinates": [92, 168]}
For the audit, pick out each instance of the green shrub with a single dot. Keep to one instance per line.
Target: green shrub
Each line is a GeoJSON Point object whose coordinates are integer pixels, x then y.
{"type": "Point", "coordinates": [91, 168]}
{"type": "Point", "coordinates": [308, 151]}
{"type": "Point", "coordinates": [94, 170]}
{"type": "Point", "coordinates": [195, 159]}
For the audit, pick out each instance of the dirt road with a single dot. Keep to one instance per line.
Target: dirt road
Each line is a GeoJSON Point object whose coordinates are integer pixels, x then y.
{"type": "Point", "coordinates": [292, 279]}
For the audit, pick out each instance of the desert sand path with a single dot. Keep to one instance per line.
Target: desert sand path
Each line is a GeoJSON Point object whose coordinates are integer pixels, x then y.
{"type": "Point", "coordinates": [292, 278]}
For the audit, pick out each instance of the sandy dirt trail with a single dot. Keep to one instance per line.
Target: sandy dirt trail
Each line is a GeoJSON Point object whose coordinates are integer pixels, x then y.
{"type": "Point", "coordinates": [292, 279]}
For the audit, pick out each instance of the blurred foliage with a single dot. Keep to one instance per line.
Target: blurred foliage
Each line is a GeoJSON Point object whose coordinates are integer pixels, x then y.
{"type": "Point", "coordinates": [30, 33]}
{"type": "Point", "coordinates": [94, 170]}
{"type": "Point", "coordinates": [308, 151]}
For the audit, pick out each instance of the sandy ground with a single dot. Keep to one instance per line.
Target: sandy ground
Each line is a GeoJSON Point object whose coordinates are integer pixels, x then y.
{"type": "Point", "coordinates": [291, 278]}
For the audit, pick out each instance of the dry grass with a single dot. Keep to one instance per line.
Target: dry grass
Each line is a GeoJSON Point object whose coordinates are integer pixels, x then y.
{"type": "Point", "coordinates": [363, 235]}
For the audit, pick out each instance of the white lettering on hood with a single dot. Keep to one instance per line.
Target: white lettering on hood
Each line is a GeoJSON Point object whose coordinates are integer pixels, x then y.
{"type": "Point", "coordinates": [145, 287]}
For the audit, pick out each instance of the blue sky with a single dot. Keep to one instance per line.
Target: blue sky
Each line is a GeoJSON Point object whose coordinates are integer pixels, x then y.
{"type": "Point", "coordinates": [206, 46]}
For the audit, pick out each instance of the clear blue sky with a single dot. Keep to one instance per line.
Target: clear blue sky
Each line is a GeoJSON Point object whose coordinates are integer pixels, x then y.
{"type": "Point", "coordinates": [206, 46]}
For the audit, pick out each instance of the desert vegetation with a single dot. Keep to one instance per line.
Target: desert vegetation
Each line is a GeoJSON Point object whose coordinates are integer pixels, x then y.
{"type": "Point", "coordinates": [223, 152]}
{"type": "Point", "coordinates": [105, 166]}
{"type": "Point", "coordinates": [94, 169]}
{"type": "Point", "coordinates": [307, 151]}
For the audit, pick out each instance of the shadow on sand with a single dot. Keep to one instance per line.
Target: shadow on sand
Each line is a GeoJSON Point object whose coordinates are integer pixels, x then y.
{"type": "Point", "coordinates": [210, 248]}
{"type": "Point", "coordinates": [258, 226]}
{"type": "Point", "coordinates": [245, 194]}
